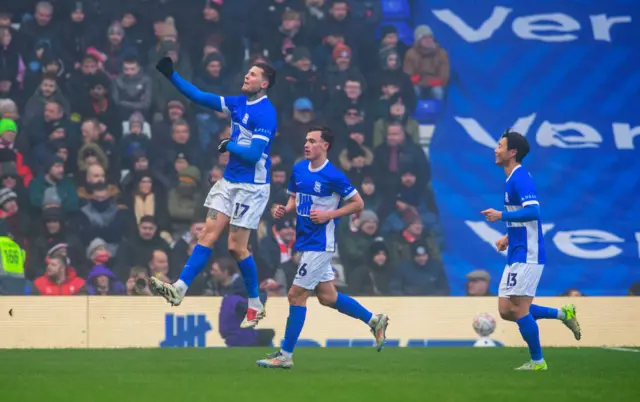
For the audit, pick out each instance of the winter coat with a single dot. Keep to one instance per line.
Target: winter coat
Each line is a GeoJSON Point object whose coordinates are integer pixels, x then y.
{"type": "Point", "coordinates": [115, 286]}
{"type": "Point", "coordinates": [72, 285]}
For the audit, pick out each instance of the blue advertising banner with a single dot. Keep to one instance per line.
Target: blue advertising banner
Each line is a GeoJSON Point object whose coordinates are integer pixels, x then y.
{"type": "Point", "coordinates": [567, 75]}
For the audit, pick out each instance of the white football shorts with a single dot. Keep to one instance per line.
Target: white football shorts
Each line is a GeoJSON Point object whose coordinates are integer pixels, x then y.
{"type": "Point", "coordinates": [244, 203]}
{"type": "Point", "coordinates": [520, 279]}
{"type": "Point", "coordinates": [315, 267]}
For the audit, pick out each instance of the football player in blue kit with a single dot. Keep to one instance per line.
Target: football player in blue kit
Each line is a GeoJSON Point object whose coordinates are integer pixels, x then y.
{"type": "Point", "coordinates": [526, 254]}
{"type": "Point", "coordinates": [316, 191]}
{"type": "Point", "coordinates": [239, 199]}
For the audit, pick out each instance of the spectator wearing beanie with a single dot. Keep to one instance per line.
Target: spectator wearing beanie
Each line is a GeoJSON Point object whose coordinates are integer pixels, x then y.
{"type": "Point", "coordinates": [54, 178]}
{"type": "Point", "coordinates": [422, 275]}
{"type": "Point", "coordinates": [373, 277]}
{"type": "Point", "coordinates": [102, 282]}
{"type": "Point", "coordinates": [13, 221]}
{"type": "Point", "coordinates": [184, 199]}
{"type": "Point", "coordinates": [337, 73]}
{"type": "Point", "coordinates": [9, 177]}
{"type": "Point", "coordinates": [50, 232]}
{"type": "Point", "coordinates": [133, 140]}
{"type": "Point", "coordinates": [115, 48]}
{"type": "Point", "coordinates": [8, 134]}
{"type": "Point", "coordinates": [427, 64]}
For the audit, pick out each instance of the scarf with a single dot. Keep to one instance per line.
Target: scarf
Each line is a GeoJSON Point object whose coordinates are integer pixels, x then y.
{"type": "Point", "coordinates": [144, 206]}
{"type": "Point", "coordinates": [285, 249]}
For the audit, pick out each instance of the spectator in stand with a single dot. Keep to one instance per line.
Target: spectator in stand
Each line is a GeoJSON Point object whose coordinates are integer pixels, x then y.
{"type": "Point", "coordinates": [217, 29]}
{"type": "Point", "coordinates": [396, 152]}
{"type": "Point", "coordinates": [279, 184]}
{"type": "Point", "coordinates": [13, 221]}
{"type": "Point", "coordinates": [46, 62]}
{"type": "Point", "coordinates": [41, 28]}
{"type": "Point", "coordinates": [183, 247]}
{"type": "Point", "coordinates": [147, 200]}
{"type": "Point", "coordinates": [354, 246]}
{"type": "Point", "coordinates": [293, 131]}
{"type": "Point", "coordinates": [9, 178]}
{"type": "Point", "coordinates": [212, 78]}
{"type": "Point", "coordinates": [8, 134]}
{"type": "Point", "coordinates": [388, 81]}
{"type": "Point", "coordinates": [478, 283]}
{"type": "Point", "coordinates": [427, 64]}
{"type": "Point", "coordinates": [342, 68]}
{"type": "Point", "coordinates": [352, 120]}
{"type": "Point", "coordinates": [159, 265]}
{"type": "Point", "coordinates": [277, 246]}
{"type": "Point", "coordinates": [54, 178]}
{"type": "Point", "coordinates": [102, 282]}
{"type": "Point", "coordinates": [138, 282]}
{"type": "Point", "coordinates": [77, 35]}
{"type": "Point", "coordinates": [134, 29]}
{"type": "Point", "coordinates": [373, 200]}
{"type": "Point", "coordinates": [11, 64]}
{"type": "Point", "coordinates": [351, 96]}
{"type": "Point", "coordinates": [181, 143]}
{"type": "Point", "coordinates": [134, 140]}
{"type": "Point", "coordinates": [47, 91]}
{"type": "Point", "coordinates": [59, 279]}
{"type": "Point", "coordinates": [401, 242]}
{"type": "Point", "coordinates": [281, 43]}
{"type": "Point", "coordinates": [185, 199]}
{"type": "Point", "coordinates": [81, 80]}
{"type": "Point", "coordinates": [101, 217]}
{"type": "Point", "coordinates": [53, 231]}
{"type": "Point", "coordinates": [9, 110]}
{"type": "Point", "coordinates": [420, 276]}
{"type": "Point", "coordinates": [373, 278]}
{"type": "Point", "coordinates": [339, 21]}
{"type": "Point", "coordinates": [137, 249]}
{"type": "Point", "coordinates": [131, 89]}
{"type": "Point", "coordinates": [397, 113]}
{"type": "Point", "coordinates": [99, 105]}
{"type": "Point", "coordinates": [299, 80]}
{"type": "Point", "coordinates": [355, 157]}
{"type": "Point", "coordinates": [141, 164]}
{"type": "Point", "coordinates": [163, 90]}
{"type": "Point", "coordinates": [173, 112]}
{"type": "Point", "coordinates": [115, 49]}
{"type": "Point", "coordinates": [94, 174]}
{"type": "Point", "coordinates": [314, 17]}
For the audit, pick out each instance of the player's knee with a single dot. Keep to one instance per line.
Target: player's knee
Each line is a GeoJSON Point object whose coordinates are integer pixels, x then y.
{"type": "Point", "coordinates": [296, 298]}
{"type": "Point", "coordinates": [206, 237]}
{"type": "Point", "coordinates": [326, 299]}
{"type": "Point", "coordinates": [507, 313]}
{"type": "Point", "coordinates": [238, 251]}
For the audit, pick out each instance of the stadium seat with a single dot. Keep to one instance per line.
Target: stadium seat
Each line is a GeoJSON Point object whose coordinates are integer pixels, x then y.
{"type": "Point", "coordinates": [405, 31]}
{"type": "Point", "coordinates": [396, 9]}
{"type": "Point", "coordinates": [427, 110]}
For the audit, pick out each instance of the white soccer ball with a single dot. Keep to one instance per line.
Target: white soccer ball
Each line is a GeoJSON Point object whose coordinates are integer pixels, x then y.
{"type": "Point", "coordinates": [484, 324]}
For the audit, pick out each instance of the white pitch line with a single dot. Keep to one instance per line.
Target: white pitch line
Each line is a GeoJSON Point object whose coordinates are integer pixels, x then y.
{"type": "Point", "coordinates": [622, 349]}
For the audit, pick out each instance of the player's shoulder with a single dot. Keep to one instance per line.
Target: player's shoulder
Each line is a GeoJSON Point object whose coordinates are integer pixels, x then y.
{"type": "Point", "coordinates": [333, 171]}
{"type": "Point", "coordinates": [522, 175]}
{"type": "Point", "coordinates": [301, 166]}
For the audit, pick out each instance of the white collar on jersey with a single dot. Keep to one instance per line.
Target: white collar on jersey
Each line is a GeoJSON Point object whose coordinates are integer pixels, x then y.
{"type": "Point", "coordinates": [253, 102]}
{"type": "Point", "coordinates": [318, 168]}
{"type": "Point", "coordinates": [513, 171]}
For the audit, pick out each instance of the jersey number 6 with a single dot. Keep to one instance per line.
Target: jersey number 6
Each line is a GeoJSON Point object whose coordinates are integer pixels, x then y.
{"type": "Point", "coordinates": [240, 210]}
{"type": "Point", "coordinates": [303, 270]}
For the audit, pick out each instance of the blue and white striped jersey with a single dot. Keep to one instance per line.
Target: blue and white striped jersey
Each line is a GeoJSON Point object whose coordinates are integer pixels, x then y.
{"type": "Point", "coordinates": [319, 189]}
{"type": "Point", "coordinates": [250, 120]}
{"type": "Point", "coordinates": [526, 243]}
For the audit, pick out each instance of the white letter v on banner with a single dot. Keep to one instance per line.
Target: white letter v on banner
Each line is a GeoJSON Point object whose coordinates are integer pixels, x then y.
{"type": "Point", "coordinates": [469, 34]}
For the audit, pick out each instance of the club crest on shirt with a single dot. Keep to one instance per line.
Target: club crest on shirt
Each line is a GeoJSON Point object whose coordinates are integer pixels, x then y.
{"type": "Point", "coordinates": [317, 187]}
{"type": "Point", "coordinates": [245, 119]}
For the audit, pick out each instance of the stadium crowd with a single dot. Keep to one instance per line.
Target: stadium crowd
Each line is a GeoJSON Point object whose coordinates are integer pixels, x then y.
{"type": "Point", "coordinates": [104, 165]}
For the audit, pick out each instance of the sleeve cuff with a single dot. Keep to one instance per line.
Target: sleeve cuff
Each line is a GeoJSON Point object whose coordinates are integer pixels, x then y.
{"type": "Point", "coordinates": [260, 137]}
{"type": "Point", "coordinates": [350, 195]}
{"type": "Point", "coordinates": [532, 202]}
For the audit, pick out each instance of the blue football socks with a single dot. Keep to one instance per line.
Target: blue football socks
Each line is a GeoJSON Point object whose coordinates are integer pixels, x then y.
{"type": "Point", "coordinates": [539, 312]}
{"type": "Point", "coordinates": [349, 306]}
{"type": "Point", "coordinates": [295, 322]}
{"type": "Point", "coordinates": [531, 334]}
{"type": "Point", "coordinates": [196, 262]}
{"type": "Point", "coordinates": [249, 272]}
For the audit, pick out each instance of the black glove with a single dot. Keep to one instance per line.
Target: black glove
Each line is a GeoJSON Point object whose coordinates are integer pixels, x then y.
{"type": "Point", "coordinates": [165, 66]}
{"type": "Point", "coordinates": [222, 148]}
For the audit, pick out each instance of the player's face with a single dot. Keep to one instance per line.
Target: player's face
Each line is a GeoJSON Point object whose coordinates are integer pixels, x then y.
{"type": "Point", "coordinates": [315, 146]}
{"type": "Point", "coordinates": [254, 81]}
{"type": "Point", "coordinates": [503, 154]}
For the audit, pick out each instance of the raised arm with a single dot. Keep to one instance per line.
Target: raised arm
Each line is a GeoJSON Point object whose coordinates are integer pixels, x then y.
{"type": "Point", "coordinates": [165, 66]}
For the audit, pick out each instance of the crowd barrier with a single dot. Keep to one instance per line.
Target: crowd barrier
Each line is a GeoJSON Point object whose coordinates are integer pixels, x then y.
{"type": "Point", "coordinates": [148, 322]}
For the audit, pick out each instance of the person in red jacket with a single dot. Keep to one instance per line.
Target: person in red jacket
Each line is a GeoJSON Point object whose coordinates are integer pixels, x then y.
{"type": "Point", "coordinates": [8, 133]}
{"type": "Point", "coordinates": [59, 279]}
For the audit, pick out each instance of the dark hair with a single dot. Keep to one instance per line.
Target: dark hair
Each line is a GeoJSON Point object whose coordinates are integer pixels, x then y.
{"type": "Point", "coordinates": [227, 265]}
{"type": "Point", "coordinates": [268, 73]}
{"type": "Point", "coordinates": [89, 56]}
{"type": "Point", "coordinates": [148, 219]}
{"type": "Point", "coordinates": [130, 59]}
{"type": "Point", "coordinates": [518, 142]}
{"type": "Point", "coordinates": [49, 76]}
{"type": "Point", "coordinates": [325, 134]}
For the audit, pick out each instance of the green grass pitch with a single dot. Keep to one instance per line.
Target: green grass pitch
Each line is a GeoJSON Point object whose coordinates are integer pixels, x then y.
{"type": "Point", "coordinates": [327, 375]}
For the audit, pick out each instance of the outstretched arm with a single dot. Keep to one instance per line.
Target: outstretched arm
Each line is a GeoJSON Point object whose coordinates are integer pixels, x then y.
{"type": "Point", "coordinates": [252, 153]}
{"type": "Point", "coordinates": [195, 95]}
{"type": "Point", "coordinates": [526, 214]}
